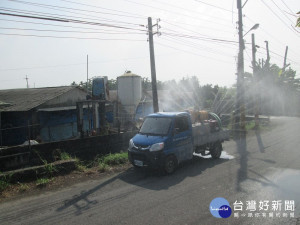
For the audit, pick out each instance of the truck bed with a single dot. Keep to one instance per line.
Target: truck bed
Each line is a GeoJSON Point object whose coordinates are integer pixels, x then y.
{"type": "Point", "coordinates": [203, 135]}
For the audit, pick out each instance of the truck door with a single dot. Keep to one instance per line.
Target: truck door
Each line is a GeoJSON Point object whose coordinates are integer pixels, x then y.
{"type": "Point", "coordinates": [182, 138]}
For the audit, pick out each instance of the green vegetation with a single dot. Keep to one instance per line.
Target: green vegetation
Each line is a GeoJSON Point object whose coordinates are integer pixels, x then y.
{"type": "Point", "coordinates": [49, 168]}
{"type": "Point", "coordinates": [43, 181]}
{"type": "Point", "coordinates": [23, 187]}
{"type": "Point", "coordinates": [101, 163]}
{"type": "Point", "coordinates": [65, 156]}
{"type": "Point", "coordinates": [102, 167]}
{"type": "Point", "coordinates": [250, 125]}
{"type": "Point", "coordinates": [3, 185]}
{"type": "Point", "coordinates": [80, 166]}
{"type": "Point", "coordinates": [115, 159]}
{"type": "Point", "coordinates": [5, 181]}
{"type": "Point", "coordinates": [112, 160]}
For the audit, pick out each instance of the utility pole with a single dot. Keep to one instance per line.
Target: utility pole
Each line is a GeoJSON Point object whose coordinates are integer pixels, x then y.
{"type": "Point", "coordinates": [284, 62]}
{"type": "Point", "coordinates": [152, 63]}
{"type": "Point", "coordinates": [267, 64]}
{"type": "Point", "coordinates": [240, 106]}
{"type": "Point", "coordinates": [26, 78]}
{"type": "Point", "coordinates": [87, 73]}
{"type": "Point", "coordinates": [255, 75]}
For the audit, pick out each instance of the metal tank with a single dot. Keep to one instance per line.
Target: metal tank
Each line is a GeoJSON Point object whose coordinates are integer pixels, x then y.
{"type": "Point", "coordinates": [100, 88]}
{"type": "Point", "coordinates": [129, 91]}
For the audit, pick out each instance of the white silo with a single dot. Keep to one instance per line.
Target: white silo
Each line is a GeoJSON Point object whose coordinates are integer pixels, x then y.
{"type": "Point", "coordinates": [129, 91]}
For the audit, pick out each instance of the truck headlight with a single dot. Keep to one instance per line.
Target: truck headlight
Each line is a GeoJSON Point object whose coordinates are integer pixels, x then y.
{"type": "Point", "coordinates": [157, 147]}
{"type": "Point", "coordinates": [131, 144]}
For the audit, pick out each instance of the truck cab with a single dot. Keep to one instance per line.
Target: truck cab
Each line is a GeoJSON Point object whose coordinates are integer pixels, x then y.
{"type": "Point", "coordinates": [163, 141]}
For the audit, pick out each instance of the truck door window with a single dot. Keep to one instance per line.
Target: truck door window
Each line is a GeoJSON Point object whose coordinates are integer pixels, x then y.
{"type": "Point", "coordinates": [181, 124]}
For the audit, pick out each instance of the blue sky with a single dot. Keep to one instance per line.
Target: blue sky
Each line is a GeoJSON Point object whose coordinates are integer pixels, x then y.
{"type": "Point", "coordinates": [198, 38]}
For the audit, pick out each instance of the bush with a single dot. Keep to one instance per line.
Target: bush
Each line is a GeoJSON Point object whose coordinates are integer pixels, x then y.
{"type": "Point", "coordinates": [42, 181]}
{"type": "Point", "coordinates": [115, 159]}
{"type": "Point", "coordinates": [102, 167]}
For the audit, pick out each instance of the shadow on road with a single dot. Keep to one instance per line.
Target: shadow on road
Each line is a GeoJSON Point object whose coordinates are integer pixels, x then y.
{"type": "Point", "coordinates": [259, 141]}
{"type": "Point", "coordinates": [242, 175]}
{"type": "Point", "coordinates": [144, 178]}
{"type": "Point", "coordinates": [156, 180]}
{"type": "Point", "coordinates": [241, 146]}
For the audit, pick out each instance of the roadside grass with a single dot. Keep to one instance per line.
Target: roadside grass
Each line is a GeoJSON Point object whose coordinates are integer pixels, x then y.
{"type": "Point", "coordinates": [41, 182]}
{"type": "Point", "coordinates": [108, 161]}
{"type": "Point", "coordinates": [23, 187]}
{"type": "Point", "coordinates": [5, 181]}
{"type": "Point", "coordinates": [65, 156]}
{"type": "Point", "coordinates": [3, 185]}
{"type": "Point", "coordinates": [250, 125]}
{"type": "Point", "coordinates": [101, 164]}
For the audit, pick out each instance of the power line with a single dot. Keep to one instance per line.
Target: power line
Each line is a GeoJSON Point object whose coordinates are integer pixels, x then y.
{"type": "Point", "coordinates": [66, 20]}
{"type": "Point", "coordinates": [79, 38]}
{"type": "Point", "coordinates": [177, 13]}
{"type": "Point", "coordinates": [287, 6]}
{"type": "Point", "coordinates": [278, 16]}
{"type": "Point", "coordinates": [278, 55]}
{"type": "Point", "coordinates": [193, 53]}
{"type": "Point", "coordinates": [281, 11]}
{"type": "Point", "coordinates": [201, 38]}
{"type": "Point", "coordinates": [133, 15]}
{"type": "Point", "coordinates": [193, 31]}
{"type": "Point", "coordinates": [67, 31]}
{"type": "Point", "coordinates": [59, 25]}
{"type": "Point", "coordinates": [197, 46]}
{"type": "Point", "coordinates": [189, 10]}
{"type": "Point", "coordinates": [51, 15]}
{"type": "Point", "coordinates": [215, 6]}
{"type": "Point", "coordinates": [61, 8]}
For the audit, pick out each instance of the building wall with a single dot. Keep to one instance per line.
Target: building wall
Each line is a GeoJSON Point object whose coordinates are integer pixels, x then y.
{"type": "Point", "coordinates": [67, 99]}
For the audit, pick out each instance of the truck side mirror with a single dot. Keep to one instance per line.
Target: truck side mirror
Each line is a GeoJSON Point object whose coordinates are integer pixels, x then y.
{"type": "Point", "coordinates": [175, 131]}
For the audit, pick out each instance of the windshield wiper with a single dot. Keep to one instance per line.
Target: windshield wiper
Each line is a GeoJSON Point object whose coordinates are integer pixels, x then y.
{"type": "Point", "coordinates": [150, 134]}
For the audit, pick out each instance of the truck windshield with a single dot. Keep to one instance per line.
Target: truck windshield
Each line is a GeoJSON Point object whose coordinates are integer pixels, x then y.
{"type": "Point", "coordinates": [157, 126]}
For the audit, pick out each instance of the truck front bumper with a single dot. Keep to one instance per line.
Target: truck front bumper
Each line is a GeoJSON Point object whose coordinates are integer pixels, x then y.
{"type": "Point", "coordinates": [146, 158]}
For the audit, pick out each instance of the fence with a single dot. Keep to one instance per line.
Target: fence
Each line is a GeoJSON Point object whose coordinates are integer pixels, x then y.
{"type": "Point", "coordinates": [84, 148]}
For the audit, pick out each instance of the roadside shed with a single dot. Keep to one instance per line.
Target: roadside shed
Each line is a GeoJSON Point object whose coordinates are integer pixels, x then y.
{"type": "Point", "coordinates": [45, 114]}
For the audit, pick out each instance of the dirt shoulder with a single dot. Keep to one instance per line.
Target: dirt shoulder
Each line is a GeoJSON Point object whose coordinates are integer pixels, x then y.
{"type": "Point", "coordinates": [26, 189]}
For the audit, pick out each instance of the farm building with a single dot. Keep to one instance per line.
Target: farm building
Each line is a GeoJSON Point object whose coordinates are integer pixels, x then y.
{"type": "Point", "coordinates": [45, 114]}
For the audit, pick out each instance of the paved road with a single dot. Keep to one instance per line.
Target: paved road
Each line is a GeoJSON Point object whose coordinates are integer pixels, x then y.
{"type": "Point", "coordinates": [264, 167]}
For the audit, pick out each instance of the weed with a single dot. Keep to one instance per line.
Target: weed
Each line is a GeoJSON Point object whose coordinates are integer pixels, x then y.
{"type": "Point", "coordinates": [3, 185]}
{"type": "Point", "coordinates": [65, 156]}
{"type": "Point", "coordinates": [79, 166]}
{"type": "Point", "coordinates": [43, 182]}
{"type": "Point", "coordinates": [49, 168]}
{"type": "Point", "coordinates": [102, 167]}
{"type": "Point", "coordinates": [23, 187]}
{"type": "Point", "coordinates": [115, 159]}
{"type": "Point", "coordinates": [250, 125]}
{"type": "Point", "coordinates": [5, 181]}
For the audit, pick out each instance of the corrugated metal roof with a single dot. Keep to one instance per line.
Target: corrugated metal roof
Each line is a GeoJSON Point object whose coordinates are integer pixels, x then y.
{"type": "Point", "coordinates": [29, 98]}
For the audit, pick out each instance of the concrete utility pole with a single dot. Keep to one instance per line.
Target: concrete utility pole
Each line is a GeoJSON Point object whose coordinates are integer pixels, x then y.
{"type": "Point", "coordinates": [255, 75]}
{"type": "Point", "coordinates": [267, 64]}
{"type": "Point", "coordinates": [87, 73]}
{"type": "Point", "coordinates": [284, 62]}
{"type": "Point", "coordinates": [240, 106]}
{"type": "Point", "coordinates": [152, 62]}
{"type": "Point", "coordinates": [26, 78]}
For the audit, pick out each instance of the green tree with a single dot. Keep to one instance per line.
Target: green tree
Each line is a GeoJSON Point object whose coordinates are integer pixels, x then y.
{"type": "Point", "coordinates": [112, 84]}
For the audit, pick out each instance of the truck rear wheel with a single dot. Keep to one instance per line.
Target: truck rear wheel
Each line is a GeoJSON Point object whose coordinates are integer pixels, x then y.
{"type": "Point", "coordinates": [216, 150]}
{"type": "Point", "coordinates": [170, 164]}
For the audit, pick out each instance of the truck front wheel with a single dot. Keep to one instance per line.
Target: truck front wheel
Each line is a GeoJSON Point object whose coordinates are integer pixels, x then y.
{"type": "Point", "coordinates": [170, 164]}
{"type": "Point", "coordinates": [216, 150]}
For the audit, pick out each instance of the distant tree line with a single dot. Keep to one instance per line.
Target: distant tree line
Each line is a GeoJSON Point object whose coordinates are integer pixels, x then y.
{"type": "Point", "coordinates": [274, 91]}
